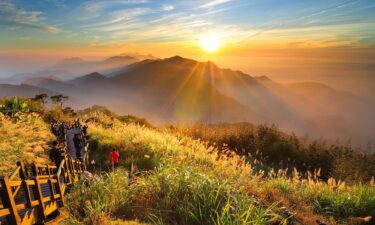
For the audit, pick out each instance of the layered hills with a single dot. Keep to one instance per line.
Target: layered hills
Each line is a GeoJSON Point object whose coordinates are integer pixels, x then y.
{"type": "Point", "coordinates": [183, 90]}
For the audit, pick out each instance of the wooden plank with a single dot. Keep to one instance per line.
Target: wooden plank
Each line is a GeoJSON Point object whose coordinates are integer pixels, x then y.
{"type": "Point", "coordinates": [47, 199]}
{"type": "Point", "coordinates": [50, 208]}
{"type": "Point", "coordinates": [51, 189]}
{"type": "Point", "coordinates": [9, 203]}
{"type": "Point", "coordinates": [21, 206]}
{"type": "Point", "coordinates": [16, 191]}
{"type": "Point", "coordinates": [4, 212]}
{"type": "Point", "coordinates": [13, 175]}
{"type": "Point", "coordinates": [26, 190]}
{"type": "Point", "coordinates": [30, 217]}
{"type": "Point", "coordinates": [15, 183]}
{"type": "Point", "coordinates": [60, 191]}
{"type": "Point", "coordinates": [34, 203]}
{"type": "Point", "coordinates": [42, 180]}
{"type": "Point", "coordinates": [30, 182]}
{"type": "Point", "coordinates": [39, 195]}
{"type": "Point", "coordinates": [56, 196]}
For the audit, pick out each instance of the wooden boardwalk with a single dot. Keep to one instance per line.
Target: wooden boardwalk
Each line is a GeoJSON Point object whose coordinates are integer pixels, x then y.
{"type": "Point", "coordinates": [34, 192]}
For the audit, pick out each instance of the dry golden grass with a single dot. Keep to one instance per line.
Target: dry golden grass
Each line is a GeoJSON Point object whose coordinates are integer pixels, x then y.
{"type": "Point", "coordinates": [26, 139]}
{"type": "Point", "coordinates": [178, 159]}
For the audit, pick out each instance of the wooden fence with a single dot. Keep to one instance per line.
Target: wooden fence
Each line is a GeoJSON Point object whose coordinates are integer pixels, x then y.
{"type": "Point", "coordinates": [33, 192]}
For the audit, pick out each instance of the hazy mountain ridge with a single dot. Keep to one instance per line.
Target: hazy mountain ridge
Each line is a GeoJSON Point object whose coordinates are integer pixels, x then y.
{"type": "Point", "coordinates": [74, 67]}
{"type": "Point", "coordinates": [184, 90]}
{"type": "Point", "coordinates": [23, 90]}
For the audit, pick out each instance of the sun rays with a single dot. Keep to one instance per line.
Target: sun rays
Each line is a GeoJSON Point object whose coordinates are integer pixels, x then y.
{"type": "Point", "coordinates": [210, 43]}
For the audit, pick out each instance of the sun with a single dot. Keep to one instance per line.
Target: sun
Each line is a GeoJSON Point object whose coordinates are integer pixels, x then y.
{"type": "Point", "coordinates": [210, 43]}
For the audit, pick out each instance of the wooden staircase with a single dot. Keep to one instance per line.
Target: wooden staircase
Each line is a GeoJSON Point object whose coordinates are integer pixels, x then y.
{"type": "Point", "coordinates": [33, 192]}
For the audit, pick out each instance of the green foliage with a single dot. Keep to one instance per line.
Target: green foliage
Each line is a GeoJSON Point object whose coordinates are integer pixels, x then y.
{"type": "Point", "coordinates": [13, 105]}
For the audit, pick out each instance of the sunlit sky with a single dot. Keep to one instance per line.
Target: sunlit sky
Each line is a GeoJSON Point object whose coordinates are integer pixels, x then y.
{"type": "Point", "coordinates": [245, 28]}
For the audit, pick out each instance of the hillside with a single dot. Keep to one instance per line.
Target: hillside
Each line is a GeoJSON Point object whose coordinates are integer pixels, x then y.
{"type": "Point", "coordinates": [176, 180]}
{"type": "Point", "coordinates": [169, 178]}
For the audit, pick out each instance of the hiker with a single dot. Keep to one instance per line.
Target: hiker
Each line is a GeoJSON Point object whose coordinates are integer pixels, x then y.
{"type": "Point", "coordinates": [77, 124]}
{"type": "Point", "coordinates": [55, 154]}
{"type": "Point", "coordinates": [53, 128]}
{"type": "Point", "coordinates": [62, 131]}
{"type": "Point", "coordinates": [77, 140]}
{"type": "Point", "coordinates": [84, 129]}
{"type": "Point", "coordinates": [114, 155]}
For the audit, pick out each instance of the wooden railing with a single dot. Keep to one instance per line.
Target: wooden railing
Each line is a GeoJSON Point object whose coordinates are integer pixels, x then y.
{"type": "Point", "coordinates": [33, 192]}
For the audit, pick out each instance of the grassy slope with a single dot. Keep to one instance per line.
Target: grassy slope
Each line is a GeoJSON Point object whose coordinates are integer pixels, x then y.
{"type": "Point", "coordinates": [176, 180]}
{"type": "Point", "coordinates": [27, 139]}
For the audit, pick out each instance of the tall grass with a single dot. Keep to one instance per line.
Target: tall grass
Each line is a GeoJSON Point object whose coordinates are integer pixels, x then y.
{"type": "Point", "coordinates": [187, 184]}
{"type": "Point", "coordinates": [173, 179]}
{"type": "Point", "coordinates": [278, 150]}
{"type": "Point", "coordinates": [25, 139]}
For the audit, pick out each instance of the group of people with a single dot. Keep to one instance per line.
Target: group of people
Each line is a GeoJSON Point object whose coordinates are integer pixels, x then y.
{"type": "Point", "coordinates": [59, 129]}
{"type": "Point", "coordinates": [74, 135]}
{"type": "Point", "coordinates": [76, 139]}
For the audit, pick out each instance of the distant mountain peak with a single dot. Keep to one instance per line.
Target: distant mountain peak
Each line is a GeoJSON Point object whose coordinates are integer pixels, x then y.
{"type": "Point", "coordinates": [94, 76]}
{"type": "Point", "coordinates": [72, 60]}
{"type": "Point", "coordinates": [120, 58]}
{"type": "Point", "coordinates": [178, 59]}
{"type": "Point", "coordinates": [263, 78]}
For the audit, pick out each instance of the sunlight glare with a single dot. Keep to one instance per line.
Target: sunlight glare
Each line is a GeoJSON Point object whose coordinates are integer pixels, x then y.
{"type": "Point", "coordinates": [210, 43]}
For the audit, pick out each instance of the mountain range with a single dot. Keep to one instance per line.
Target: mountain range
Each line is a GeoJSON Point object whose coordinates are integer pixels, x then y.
{"type": "Point", "coordinates": [180, 90]}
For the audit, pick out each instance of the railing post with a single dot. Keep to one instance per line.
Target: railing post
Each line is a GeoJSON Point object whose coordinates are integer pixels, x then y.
{"type": "Point", "coordinates": [41, 208]}
{"type": "Point", "coordinates": [38, 194]}
{"type": "Point", "coordinates": [51, 189]}
{"type": "Point", "coordinates": [25, 186]}
{"type": "Point", "coordinates": [34, 169]}
{"type": "Point", "coordinates": [9, 203]}
{"type": "Point", "coordinates": [59, 186]}
{"type": "Point", "coordinates": [48, 170]}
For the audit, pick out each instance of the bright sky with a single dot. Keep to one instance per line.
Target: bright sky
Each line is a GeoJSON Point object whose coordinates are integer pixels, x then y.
{"type": "Point", "coordinates": [85, 28]}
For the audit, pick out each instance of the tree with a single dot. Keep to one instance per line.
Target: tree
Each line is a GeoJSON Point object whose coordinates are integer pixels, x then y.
{"type": "Point", "coordinates": [59, 99]}
{"type": "Point", "coordinates": [41, 98]}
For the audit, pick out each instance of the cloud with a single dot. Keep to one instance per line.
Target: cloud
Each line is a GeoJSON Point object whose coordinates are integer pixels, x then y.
{"type": "Point", "coordinates": [13, 16]}
{"type": "Point", "coordinates": [95, 6]}
{"type": "Point", "coordinates": [168, 7]}
{"type": "Point", "coordinates": [119, 19]}
{"type": "Point", "coordinates": [306, 21]}
{"type": "Point", "coordinates": [214, 3]}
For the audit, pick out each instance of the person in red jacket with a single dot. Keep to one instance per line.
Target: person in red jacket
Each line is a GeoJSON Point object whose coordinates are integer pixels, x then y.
{"type": "Point", "coordinates": [114, 155]}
